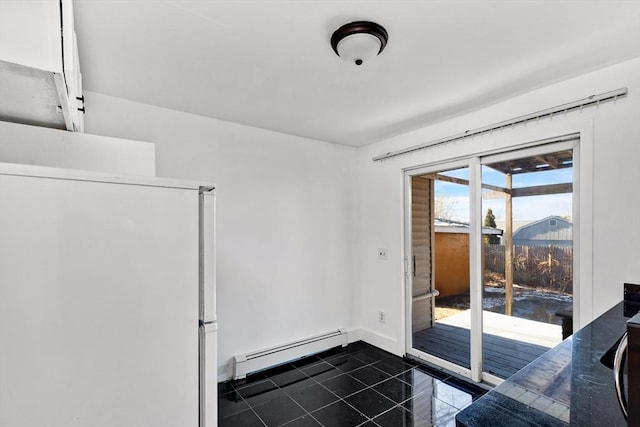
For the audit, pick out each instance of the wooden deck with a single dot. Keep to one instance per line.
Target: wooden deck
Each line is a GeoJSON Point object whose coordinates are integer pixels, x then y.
{"type": "Point", "coordinates": [502, 356]}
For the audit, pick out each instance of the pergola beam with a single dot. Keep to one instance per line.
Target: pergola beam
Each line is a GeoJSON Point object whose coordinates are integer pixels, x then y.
{"type": "Point", "coordinates": [542, 190]}
{"type": "Point", "coordinates": [462, 181]}
{"type": "Point", "coordinates": [537, 190]}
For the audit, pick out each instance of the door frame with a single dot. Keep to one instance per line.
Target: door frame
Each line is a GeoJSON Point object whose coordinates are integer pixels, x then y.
{"type": "Point", "coordinates": [474, 162]}
{"type": "Point", "coordinates": [408, 276]}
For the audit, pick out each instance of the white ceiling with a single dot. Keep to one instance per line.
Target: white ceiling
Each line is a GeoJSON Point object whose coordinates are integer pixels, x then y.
{"type": "Point", "coordinates": [269, 64]}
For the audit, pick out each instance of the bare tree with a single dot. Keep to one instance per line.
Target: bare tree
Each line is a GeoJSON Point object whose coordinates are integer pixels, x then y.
{"type": "Point", "coordinates": [445, 207]}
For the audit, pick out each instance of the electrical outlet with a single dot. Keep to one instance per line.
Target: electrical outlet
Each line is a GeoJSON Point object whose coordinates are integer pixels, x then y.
{"type": "Point", "coordinates": [382, 317]}
{"type": "Point", "coordinates": [382, 253]}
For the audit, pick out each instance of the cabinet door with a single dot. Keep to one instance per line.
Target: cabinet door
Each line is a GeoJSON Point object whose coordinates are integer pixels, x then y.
{"type": "Point", "coordinates": [71, 66]}
{"type": "Point", "coordinates": [74, 87]}
{"type": "Point", "coordinates": [30, 34]}
{"type": "Point", "coordinates": [39, 65]}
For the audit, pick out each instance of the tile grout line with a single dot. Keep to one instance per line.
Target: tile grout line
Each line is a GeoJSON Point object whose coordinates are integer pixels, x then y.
{"type": "Point", "coordinates": [436, 375]}
{"type": "Point", "coordinates": [259, 417]}
{"type": "Point", "coordinates": [347, 373]}
{"type": "Point", "coordinates": [396, 376]}
{"type": "Point", "coordinates": [267, 378]}
{"type": "Point", "coordinates": [294, 401]}
{"type": "Point", "coordinates": [361, 390]}
{"type": "Point", "coordinates": [396, 404]}
{"type": "Point", "coordinates": [304, 409]}
{"type": "Point", "coordinates": [249, 405]}
{"type": "Point", "coordinates": [339, 398]}
{"type": "Point", "coordinates": [235, 390]}
{"type": "Point", "coordinates": [295, 368]}
{"type": "Point", "coordinates": [267, 402]}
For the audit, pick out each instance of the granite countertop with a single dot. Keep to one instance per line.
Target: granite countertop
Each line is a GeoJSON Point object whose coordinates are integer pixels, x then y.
{"type": "Point", "coordinates": [568, 385]}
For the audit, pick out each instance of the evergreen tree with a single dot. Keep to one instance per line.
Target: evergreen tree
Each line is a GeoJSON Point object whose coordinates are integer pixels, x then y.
{"type": "Point", "coordinates": [490, 221]}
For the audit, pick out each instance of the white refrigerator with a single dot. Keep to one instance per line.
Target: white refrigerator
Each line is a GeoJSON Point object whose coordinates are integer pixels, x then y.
{"type": "Point", "coordinates": [107, 300]}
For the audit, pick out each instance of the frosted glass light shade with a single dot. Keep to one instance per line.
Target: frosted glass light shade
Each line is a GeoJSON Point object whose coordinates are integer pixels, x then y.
{"type": "Point", "coordinates": [358, 48]}
{"type": "Point", "coordinates": [359, 41]}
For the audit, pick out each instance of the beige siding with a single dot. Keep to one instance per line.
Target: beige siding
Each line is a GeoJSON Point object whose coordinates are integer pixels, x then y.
{"type": "Point", "coordinates": [421, 237]}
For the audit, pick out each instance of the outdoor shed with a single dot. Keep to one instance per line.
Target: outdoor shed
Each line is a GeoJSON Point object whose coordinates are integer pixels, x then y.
{"type": "Point", "coordinates": [452, 255]}
{"type": "Point", "coordinates": [552, 230]}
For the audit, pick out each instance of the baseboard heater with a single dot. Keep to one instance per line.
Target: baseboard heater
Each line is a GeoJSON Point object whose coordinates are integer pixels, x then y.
{"type": "Point", "coordinates": [243, 364]}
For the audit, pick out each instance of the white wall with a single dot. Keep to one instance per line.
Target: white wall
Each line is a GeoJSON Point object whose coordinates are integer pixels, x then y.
{"type": "Point", "coordinates": [286, 218]}
{"type": "Point", "coordinates": [609, 193]}
{"type": "Point", "coordinates": [300, 221]}
{"type": "Point", "coordinates": [39, 146]}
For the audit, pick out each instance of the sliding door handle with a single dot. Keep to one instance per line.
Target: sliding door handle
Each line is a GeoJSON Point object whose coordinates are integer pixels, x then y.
{"type": "Point", "coordinates": [413, 266]}
{"type": "Point", "coordinates": [430, 294]}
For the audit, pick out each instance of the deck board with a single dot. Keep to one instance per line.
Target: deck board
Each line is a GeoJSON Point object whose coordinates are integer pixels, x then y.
{"type": "Point", "coordinates": [502, 356]}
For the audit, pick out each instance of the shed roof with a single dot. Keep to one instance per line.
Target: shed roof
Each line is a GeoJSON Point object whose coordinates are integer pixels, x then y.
{"type": "Point", "coordinates": [544, 230]}
{"type": "Point", "coordinates": [451, 226]}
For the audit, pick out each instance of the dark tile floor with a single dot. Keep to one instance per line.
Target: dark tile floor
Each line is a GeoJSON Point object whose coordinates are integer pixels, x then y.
{"type": "Point", "coordinates": [357, 386]}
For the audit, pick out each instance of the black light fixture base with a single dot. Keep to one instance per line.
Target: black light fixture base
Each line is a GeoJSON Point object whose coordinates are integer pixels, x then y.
{"type": "Point", "coordinates": [356, 27]}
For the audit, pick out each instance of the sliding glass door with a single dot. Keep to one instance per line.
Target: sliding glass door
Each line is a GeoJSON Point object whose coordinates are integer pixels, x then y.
{"type": "Point", "coordinates": [527, 274]}
{"type": "Point", "coordinates": [440, 265]}
{"type": "Point", "coordinates": [489, 259]}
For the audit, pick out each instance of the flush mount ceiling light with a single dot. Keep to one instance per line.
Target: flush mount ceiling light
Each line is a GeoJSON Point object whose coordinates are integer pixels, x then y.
{"type": "Point", "coordinates": [359, 41]}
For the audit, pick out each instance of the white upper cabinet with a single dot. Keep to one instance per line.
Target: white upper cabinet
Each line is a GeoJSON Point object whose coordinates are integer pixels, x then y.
{"type": "Point", "coordinates": [40, 80]}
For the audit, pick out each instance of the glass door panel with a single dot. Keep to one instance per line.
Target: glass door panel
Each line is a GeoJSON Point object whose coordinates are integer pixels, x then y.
{"type": "Point", "coordinates": [527, 257]}
{"type": "Point", "coordinates": [439, 265]}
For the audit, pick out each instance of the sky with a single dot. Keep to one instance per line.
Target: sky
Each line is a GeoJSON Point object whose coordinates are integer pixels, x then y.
{"type": "Point", "coordinates": [525, 209]}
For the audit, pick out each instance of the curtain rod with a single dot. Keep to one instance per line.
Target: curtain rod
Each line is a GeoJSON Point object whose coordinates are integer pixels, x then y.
{"type": "Point", "coordinates": [579, 104]}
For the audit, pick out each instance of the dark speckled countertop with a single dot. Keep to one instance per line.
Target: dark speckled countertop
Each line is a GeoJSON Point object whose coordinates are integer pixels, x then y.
{"type": "Point", "coordinates": [568, 385]}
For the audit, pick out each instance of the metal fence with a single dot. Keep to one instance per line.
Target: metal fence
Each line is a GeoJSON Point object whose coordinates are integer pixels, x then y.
{"type": "Point", "coordinates": [549, 267]}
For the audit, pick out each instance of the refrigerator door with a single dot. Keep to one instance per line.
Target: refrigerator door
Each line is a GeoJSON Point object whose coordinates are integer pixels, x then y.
{"type": "Point", "coordinates": [98, 303]}
{"type": "Point", "coordinates": [208, 375]}
{"type": "Point", "coordinates": [207, 255]}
